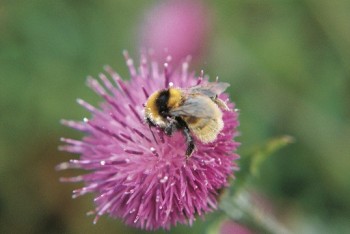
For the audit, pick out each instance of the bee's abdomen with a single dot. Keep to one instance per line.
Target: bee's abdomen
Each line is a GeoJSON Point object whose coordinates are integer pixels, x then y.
{"type": "Point", "coordinates": [206, 130]}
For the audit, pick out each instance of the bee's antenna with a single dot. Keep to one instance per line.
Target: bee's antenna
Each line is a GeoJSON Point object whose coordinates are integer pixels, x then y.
{"type": "Point", "coordinates": [150, 128]}
{"type": "Point", "coordinates": [150, 125]}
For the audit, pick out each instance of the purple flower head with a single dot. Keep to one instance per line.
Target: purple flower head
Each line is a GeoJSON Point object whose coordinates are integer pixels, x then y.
{"type": "Point", "coordinates": [146, 181]}
{"type": "Point", "coordinates": [177, 27]}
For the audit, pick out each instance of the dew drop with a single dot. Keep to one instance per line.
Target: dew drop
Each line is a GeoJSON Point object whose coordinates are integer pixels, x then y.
{"type": "Point", "coordinates": [157, 198]}
{"type": "Point", "coordinates": [136, 219]}
{"type": "Point", "coordinates": [103, 163]}
{"type": "Point", "coordinates": [171, 84]}
{"type": "Point", "coordinates": [154, 151]}
{"type": "Point", "coordinates": [219, 161]}
{"type": "Point", "coordinates": [206, 162]}
{"type": "Point", "coordinates": [160, 207]}
{"type": "Point", "coordinates": [164, 179]}
{"type": "Point", "coordinates": [132, 211]}
{"type": "Point", "coordinates": [131, 191]}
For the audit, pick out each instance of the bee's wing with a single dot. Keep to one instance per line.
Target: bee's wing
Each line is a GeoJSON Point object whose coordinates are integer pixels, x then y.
{"type": "Point", "coordinates": [210, 90]}
{"type": "Point", "coordinates": [199, 106]}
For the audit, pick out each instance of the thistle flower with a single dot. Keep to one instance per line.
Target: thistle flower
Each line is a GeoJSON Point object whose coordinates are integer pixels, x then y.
{"type": "Point", "coordinates": [177, 27]}
{"type": "Point", "coordinates": [146, 181]}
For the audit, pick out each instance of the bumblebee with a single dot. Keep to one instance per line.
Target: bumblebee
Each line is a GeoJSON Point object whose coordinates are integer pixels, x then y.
{"type": "Point", "coordinates": [194, 111]}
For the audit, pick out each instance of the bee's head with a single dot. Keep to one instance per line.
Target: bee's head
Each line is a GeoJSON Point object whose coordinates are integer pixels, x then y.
{"type": "Point", "coordinates": [160, 103]}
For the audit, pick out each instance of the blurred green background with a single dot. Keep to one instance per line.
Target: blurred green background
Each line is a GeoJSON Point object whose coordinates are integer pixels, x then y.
{"type": "Point", "coordinates": [288, 63]}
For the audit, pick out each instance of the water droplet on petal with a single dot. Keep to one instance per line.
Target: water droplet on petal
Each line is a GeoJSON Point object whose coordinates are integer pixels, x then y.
{"type": "Point", "coordinates": [132, 211]}
{"type": "Point", "coordinates": [219, 161]}
{"type": "Point", "coordinates": [164, 179]}
{"type": "Point", "coordinates": [103, 163]}
{"type": "Point", "coordinates": [131, 191]}
{"type": "Point", "coordinates": [136, 219]}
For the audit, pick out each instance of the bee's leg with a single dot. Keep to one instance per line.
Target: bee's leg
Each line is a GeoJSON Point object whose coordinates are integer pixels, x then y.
{"type": "Point", "coordinates": [189, 139]}
{"type": "Point", "coordinates": [171, 127]}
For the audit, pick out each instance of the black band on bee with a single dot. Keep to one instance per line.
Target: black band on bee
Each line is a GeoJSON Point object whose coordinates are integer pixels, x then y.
{"type": "Point", "coordinates": [149, 122]}
{"type": "Point", "coordinates": [162, 103]}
